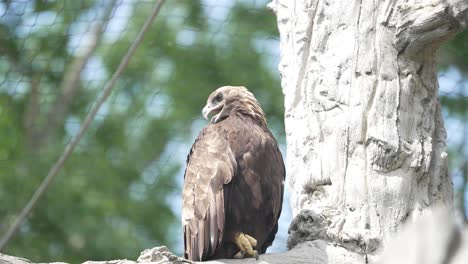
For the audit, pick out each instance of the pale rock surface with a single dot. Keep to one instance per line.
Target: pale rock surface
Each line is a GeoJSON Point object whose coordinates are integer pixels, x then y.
{"type": "Point", "coordinates": [6, 259]}
{"type": "Point", "coordinates": [311, 252]}
{"type": "Point", "coordinates": [160, 255]}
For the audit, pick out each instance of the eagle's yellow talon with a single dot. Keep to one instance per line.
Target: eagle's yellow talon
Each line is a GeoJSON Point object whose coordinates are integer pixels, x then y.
{"type": "Point", "coordinates": [246, 244]}
{"type": "Point", "coordinates": [252, 240]}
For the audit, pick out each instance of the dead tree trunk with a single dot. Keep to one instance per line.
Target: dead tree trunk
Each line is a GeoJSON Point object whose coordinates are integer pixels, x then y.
{"type": "Point", "coordinates": [365, 137]}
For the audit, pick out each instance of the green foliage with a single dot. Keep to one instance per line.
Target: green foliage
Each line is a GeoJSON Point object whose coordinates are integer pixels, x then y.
{"type": "Point", "coordinates": [455, 105]}
{"type": "Point", "coordinates": [111, 198]}
{"type": "Point", "coordinates": [456, 52]}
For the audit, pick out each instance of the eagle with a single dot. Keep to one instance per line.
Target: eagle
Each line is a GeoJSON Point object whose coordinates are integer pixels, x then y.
{"type": "Point", "coordinates": [233, 182]}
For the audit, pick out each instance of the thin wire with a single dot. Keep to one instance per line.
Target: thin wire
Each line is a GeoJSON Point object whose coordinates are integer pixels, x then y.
{"type": "Point", "coordinates": [88, 120]}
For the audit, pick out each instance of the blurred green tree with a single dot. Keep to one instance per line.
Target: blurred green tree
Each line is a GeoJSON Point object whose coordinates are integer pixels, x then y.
{"type": "Point", "coordinates": [111, 199]}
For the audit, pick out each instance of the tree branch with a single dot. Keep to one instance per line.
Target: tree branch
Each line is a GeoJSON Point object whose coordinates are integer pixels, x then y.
{"type": "Point", "coordinates": [32, 111]}
{"type": "Point", "coordinates": [427, 23]}
{"type": "Point", "coordinates": [71, 79]}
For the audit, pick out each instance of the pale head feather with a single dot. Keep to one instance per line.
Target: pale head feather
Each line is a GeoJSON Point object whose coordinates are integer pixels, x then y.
{"type": "Point", "coordinates": [228, 100]}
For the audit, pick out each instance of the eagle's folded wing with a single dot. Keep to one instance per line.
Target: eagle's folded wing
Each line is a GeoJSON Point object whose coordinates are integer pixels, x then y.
{"type": "Point", "coordinates": [210, 165]}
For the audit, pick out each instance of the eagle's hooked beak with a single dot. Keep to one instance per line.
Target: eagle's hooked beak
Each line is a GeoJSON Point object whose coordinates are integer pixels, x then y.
{"type": "Point", "coordinates": [208, 109]}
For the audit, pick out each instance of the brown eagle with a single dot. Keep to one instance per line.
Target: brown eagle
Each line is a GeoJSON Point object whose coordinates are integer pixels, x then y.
{"type": "Point", "coordinates": [234, 181]}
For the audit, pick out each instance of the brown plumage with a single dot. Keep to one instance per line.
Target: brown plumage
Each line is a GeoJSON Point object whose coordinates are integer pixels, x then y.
{"type": "Point", "coordinates": [234, 178]}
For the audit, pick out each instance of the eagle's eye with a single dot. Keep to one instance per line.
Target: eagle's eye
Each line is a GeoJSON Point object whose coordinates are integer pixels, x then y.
{"type": "Point", "coordinates": [218, 98]}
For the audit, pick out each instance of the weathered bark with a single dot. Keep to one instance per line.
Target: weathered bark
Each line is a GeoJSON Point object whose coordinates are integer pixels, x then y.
{"type": "Point", "coordinates": [365, 137]}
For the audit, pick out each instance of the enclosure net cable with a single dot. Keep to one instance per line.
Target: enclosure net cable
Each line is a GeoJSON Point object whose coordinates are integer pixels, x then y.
{"type": "Point", "coordinates": [88, 120]}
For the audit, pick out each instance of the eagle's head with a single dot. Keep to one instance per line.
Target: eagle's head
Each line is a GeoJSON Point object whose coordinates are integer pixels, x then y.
{"type": "Point", "coordinates": [231, 100]}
